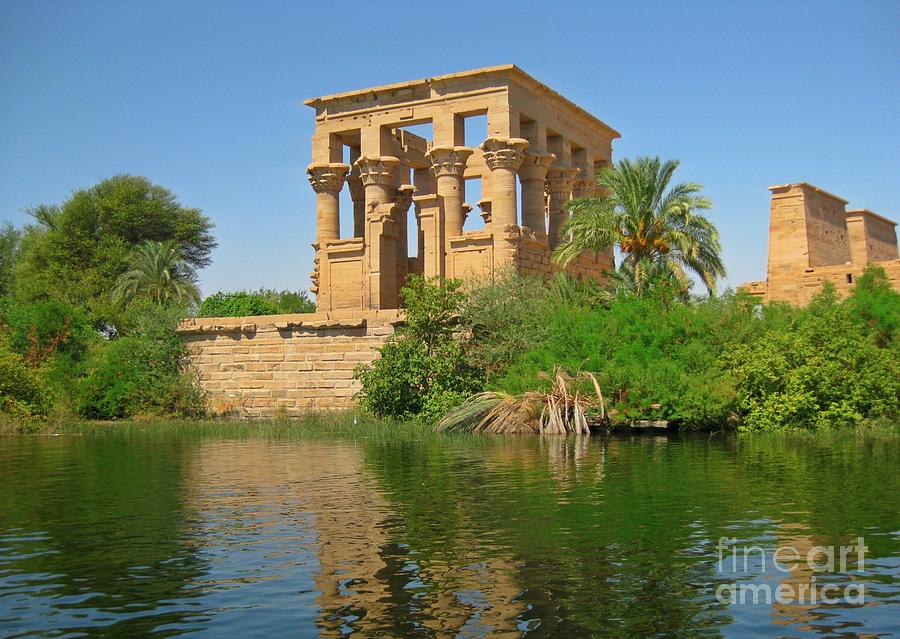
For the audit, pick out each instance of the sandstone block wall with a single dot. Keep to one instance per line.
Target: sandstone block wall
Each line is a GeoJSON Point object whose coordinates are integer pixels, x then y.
{"type": "Point", "coordinates": [535, 260]}
{"type": "Point", "coordinates": [813, 239]}
{"type": "Point", "coordinates": [261, 366]}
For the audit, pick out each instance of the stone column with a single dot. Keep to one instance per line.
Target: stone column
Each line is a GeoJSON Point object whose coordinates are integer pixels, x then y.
{"type": "Point", "coordinates": [503, 156]}
{"type": "Point", "coordinates": [327, 180]}
{"type": "Point", "coordinates": [377, 174]}
{"type": "Point", "coordinates": [585, 184]}
{"type": "Point", "coordinates": [559, 185]}
{"type": "Point", "coordinates": [431, 234]}
{"type": "Point", "coordinates": [449, 165]}
{"type": "Point", "coordinates": [533, 174]}
{"type": "Point", "coordinates": [358, 195]}
{"type": "Point", "coordinates": [405, 194]}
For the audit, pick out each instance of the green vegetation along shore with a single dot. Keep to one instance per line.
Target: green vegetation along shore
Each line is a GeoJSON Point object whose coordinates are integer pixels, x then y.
{"type": "Point", "coordinates": [91, 292]}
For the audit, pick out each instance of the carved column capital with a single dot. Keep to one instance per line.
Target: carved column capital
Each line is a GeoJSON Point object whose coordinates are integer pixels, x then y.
{"type": "Point", "coordinates": [377, 170]}
{"type": "Point", "coordinates": [327, 178]}
{"type": "Point", "coordinates": [534, 166]}
{"type": "Point", "coordinates": [404, 198]}
{"type": "Point", "coordinates": [449, 160]}
{"type": "Point", "coordinates": [585, 184]}
{"type": "Point", "coordinates": [378, 212]}
{"type": "Point", "coordinates": [466, 209]}
{"type": "Point", "coordinates": [485, 206]}
{"type": "Point", "coordinates": [560, 180]}
{"type": "Point", "coordinates": [504, 153]}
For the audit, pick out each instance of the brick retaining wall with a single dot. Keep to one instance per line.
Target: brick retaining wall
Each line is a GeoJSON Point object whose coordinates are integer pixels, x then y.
{"type": "Point", "coordinates": [266, 365]}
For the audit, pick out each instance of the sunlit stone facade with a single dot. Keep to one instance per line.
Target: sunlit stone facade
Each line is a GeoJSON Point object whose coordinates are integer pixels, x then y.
{"type": "Point", "coordinates": [540, 151]}
{"type": "Point", "coordinates": [814, 239]}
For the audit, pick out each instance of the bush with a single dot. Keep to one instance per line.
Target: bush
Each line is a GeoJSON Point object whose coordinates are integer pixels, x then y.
{"type": "Point", "coordinates": [422, 371]}
{"type": "Point", "coordinates": [239, 304]}
{"type": "Point", "coordinates": [288, 301]}
{"type": "Point", "coordinates": [504, 317]}
{"type": "Point", "coordinates": [40, 330]}
{"type": "Point", "coordinates": [824, 368]}
{"type": "Point", "coordinates": [21, 392]}
{"type": "Point", "coordinates": [653, 359]}
{"type": "Point", "coordinates": [261, 302]}
{"type": "Point", "coordinates": [141, 373]}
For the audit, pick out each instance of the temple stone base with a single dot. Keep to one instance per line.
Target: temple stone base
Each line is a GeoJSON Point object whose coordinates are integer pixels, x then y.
{"type": "Point", "coordinates": [283, 364]}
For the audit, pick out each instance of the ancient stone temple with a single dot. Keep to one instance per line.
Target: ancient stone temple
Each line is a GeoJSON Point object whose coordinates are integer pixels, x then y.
{"type": "Point", "coordinates": [540, 151]}
{"type": "Point", "coordinates": [409, 210]}
{"type": "Point", "coordinates": [814, 239]}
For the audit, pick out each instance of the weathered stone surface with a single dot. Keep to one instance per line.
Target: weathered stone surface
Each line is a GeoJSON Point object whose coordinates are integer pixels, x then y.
{"type": "Point", "coordinates": [279, 368]}
{"type": "Point", "coordinates": [367, 271]}
{"type": "Point", "coordinates": [256, 366]}
{"type": "Point", "coordinates": [813, 240]}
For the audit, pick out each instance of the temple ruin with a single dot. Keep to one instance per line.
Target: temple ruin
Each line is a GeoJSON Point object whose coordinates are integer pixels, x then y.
{"type": "Point", "coordinates": [535, 137]}
{"type": "Point", "coordinates": [814, 239]}
{"type": "Point", "coordinates": [409, 210]}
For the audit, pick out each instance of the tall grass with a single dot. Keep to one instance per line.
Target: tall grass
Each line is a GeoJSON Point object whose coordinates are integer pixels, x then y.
{"type": "Point", "coordinates": [349, 425]}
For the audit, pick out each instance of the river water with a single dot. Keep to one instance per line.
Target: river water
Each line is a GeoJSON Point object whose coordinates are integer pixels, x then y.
{"type": "Point", "coordinates": [128, 535]}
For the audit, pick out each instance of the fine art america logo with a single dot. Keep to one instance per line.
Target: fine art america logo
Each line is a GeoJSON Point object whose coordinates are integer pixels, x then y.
{"type": "Point", "coordinates": [805, 574]}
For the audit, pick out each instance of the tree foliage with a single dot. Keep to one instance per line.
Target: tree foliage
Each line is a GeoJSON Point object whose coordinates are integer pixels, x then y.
{"type": "Point", "coordinates": [158, 272]}
{"type": "Point", "coordinates": [261, 302]}
{"type": "Point", "coordinates": [75, 252]}
{"type": "Point", "coordinates": [10, 241]}
{"type": "Point", "coordinates": [659, 229]}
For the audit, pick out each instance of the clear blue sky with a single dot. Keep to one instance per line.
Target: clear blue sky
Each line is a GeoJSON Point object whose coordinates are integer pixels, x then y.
{"type": "Point", "coordinates": [205, 99]}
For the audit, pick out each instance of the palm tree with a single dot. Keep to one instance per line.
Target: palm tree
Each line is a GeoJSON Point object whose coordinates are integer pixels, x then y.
{"type": "Point", "coordinates": [157, 272]}
{"type": "Point", "coordinates": [659, 230]}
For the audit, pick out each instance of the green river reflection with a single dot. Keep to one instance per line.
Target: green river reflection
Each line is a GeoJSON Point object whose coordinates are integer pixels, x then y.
{"type": "Point", "coordinates": [129, 535]}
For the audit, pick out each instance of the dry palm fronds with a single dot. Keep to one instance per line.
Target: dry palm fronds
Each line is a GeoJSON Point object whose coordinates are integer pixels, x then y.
{"type": "Point", "coordinates": [562, 410]}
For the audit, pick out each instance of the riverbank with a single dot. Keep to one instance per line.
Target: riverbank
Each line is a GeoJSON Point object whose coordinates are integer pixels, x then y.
{"type": "Point", "coordinates": [359, 426]}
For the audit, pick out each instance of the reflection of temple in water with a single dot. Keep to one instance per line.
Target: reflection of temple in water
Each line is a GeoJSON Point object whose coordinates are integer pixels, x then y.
{"type": "Point", "coordinates": [368, 581]}
{"type": "Point", "coordinates": [805, 610]}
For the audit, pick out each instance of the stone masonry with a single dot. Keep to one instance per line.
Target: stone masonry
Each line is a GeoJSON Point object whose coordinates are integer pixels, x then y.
{"type": "Point", "coordinates": [813, 239]}
{"type": "Point", "coordinates": [261, 366]}
{"type": "Point", "coordinates": [541, 151]}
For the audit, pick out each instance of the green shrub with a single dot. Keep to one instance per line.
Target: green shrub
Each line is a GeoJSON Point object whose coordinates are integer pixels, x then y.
{"type": "Point", "coordinates": [21, 393]}
{"type": "Point", "coordinates": [504, 317]}
{"type": "Point", "coordinates": [261, 302]}
{"type": "Point", "coordinates": [288, 301]}
{"type": "Point", "coordinates": [875, 306]}
{"type": "Point", "coordinates": [654, 359]}
{"type": "Point", "coordinates": [140, 373]}
{"type": "Point", "coordinates": [239, 304]}
{"type": "Point", "coordinates": [40, 330]}
{"type": "Point", "coordinates": [824, 368]}
{"type": "Point", "coordinates": [421, 371]}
